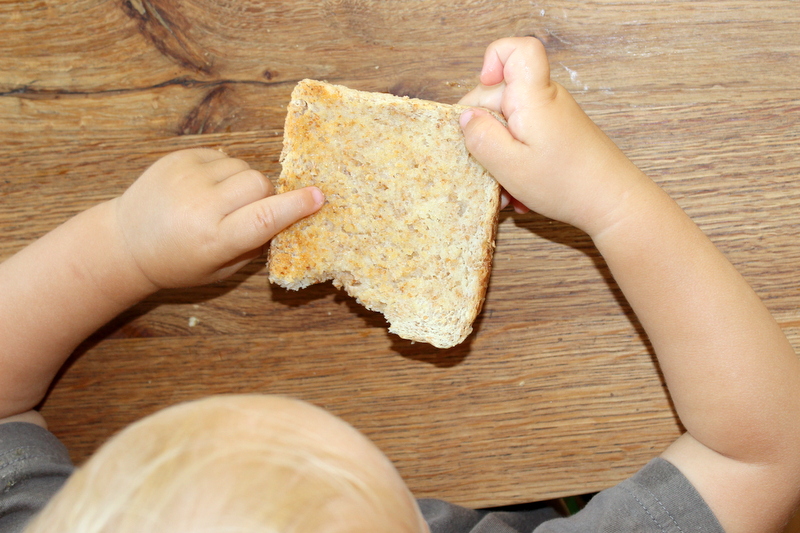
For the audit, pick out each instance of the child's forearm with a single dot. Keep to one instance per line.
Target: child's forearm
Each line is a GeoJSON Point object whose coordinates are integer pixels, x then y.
{"type": "Point", "coordinates": [731, 372]}
{"type": "Point", "coordinates": [55, 293]}
{"type": "Point", "coordinates": [733, 376]}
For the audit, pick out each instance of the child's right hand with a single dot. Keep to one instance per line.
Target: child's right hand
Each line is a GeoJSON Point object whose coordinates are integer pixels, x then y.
{"type": "Point", "coordinates": [552, 158]}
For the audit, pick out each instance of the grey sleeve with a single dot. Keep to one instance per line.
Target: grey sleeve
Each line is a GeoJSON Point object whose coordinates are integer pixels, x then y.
{"type": "Point", "coordinates": [443, 517]}
{"type": "Point", "coordinates": [658, 499]}
{"type": "Point", "coordinates": [33, 466]}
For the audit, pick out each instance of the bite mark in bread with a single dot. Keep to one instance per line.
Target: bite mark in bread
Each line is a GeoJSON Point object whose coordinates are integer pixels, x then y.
{"type": "Point", "coordinates": [409, 222]}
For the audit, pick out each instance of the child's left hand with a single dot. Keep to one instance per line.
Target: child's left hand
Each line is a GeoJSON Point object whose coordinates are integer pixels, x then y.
{"type": "Point", "coordinates": [197, 216]}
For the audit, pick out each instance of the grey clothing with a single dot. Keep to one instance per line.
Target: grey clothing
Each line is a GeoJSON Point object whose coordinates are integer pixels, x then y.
{"type": "Point", "coordinates": [658, 499]}
{"type": "Point", "coordinates": [33, 466]}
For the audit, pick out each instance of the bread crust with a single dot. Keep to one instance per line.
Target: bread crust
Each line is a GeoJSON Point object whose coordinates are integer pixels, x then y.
{"type": "Point", "coordinates": [410, 218]}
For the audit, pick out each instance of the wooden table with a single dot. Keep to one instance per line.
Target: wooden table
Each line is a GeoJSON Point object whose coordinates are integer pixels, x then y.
{"type": "Point", "coordinates": [557, 392]}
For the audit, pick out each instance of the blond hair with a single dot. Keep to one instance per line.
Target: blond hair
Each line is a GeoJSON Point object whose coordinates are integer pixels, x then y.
{"type": "Point", "coordinates": [235, 464]}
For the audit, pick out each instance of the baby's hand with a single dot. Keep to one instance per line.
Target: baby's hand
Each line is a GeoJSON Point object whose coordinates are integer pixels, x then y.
{"type": "Point", "coordinates": [552, 158]}
{"type": "Point", "coordinates": [197, 216]}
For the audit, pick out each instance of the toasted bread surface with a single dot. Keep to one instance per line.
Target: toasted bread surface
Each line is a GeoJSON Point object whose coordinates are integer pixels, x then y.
{"type": "Point", "coordinates": [410, 217]}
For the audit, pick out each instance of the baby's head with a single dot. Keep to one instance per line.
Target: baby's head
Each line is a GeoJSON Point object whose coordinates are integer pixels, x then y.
{"type": "Point", "coordinates": [235, 464]}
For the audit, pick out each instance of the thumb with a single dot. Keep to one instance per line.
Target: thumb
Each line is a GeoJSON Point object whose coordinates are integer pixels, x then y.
{"type": "Point", "coordinates": [256, 223]}
{"type": "Point", "coordinates": [493, 146]}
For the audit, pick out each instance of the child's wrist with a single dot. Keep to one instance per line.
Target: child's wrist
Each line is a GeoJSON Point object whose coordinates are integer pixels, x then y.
{"type": "Point", "coordinates": [121, 266]}
{"type": "Point", "coordinates": [642, 202]}
{"type": "Point", "coordinates": [614, 196]}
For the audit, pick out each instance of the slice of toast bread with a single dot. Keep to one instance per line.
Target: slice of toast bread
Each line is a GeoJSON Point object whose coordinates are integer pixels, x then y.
{"type": "Point", "coordinates": [409, 222]}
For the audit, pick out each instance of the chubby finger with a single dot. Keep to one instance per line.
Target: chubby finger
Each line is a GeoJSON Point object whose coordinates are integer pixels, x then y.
{"type": "Point", "coordinates": [253, 225]}
{"type": "Point", "coordinates": [485, 96]}
{"type": "Point", "coordinates": [223, 168]}
{"type": "Point", "coordinates": [493, 146]}
{"type": "Point", "coordinates": [516, 59]}
{"type": "Point", "coordinates": [507, 200]}
{"type": "Point", "coordinates": [487, 139]}
{"type": "Point", "coordinates": [241, 189]}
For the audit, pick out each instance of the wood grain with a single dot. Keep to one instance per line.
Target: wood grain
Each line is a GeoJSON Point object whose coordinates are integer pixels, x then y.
{"type": "Point", "coordinates": [557, 392]}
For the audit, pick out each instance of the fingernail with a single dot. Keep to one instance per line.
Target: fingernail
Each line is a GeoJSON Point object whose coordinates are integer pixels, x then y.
{"type": "Point", "coordinates": [505, 199]}
{"type": "Point", "coordinates": [484, 71]}
{"type": "Point", "coordinates": [466, 116]}
{"type": "Point", "coordinates": [319, 198]}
